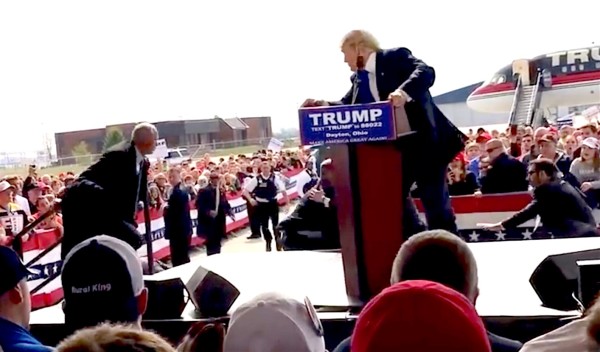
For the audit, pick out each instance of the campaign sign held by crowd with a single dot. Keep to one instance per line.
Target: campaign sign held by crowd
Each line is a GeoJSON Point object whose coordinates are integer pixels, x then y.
{"type": "Point", "coordinates": [347, 123]}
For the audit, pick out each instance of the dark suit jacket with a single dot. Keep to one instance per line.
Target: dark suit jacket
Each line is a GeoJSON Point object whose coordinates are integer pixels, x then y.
{"type": "Point", "coordinates": [103, 199]}
{"type": "Point", "coordinates": [506, 175]}
{"type": "Point", "coordinates": [116, 173]}
{"type": "Point", "coordinates": [558, 204]}
{"type": "Point", "coordinates": [435, 135]}
{"type": "Point", "coordinates": [206, 202]}
{"type": "Point", "coordinates": [178, 222]}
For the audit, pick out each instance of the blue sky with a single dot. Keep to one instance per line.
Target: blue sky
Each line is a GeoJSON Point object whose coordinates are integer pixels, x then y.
{"type": "Point", "coordinates": [69, 65]}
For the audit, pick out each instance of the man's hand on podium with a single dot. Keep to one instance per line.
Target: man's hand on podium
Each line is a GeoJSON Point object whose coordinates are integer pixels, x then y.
{"type": "Point", "coordinates": [398, 98]}
{"type": "Point", "coordinates": [309, 103]}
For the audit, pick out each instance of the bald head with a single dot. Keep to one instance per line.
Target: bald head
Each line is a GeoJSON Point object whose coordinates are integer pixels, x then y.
{"type": "Point", "coordinates": [494, 143]}
{"type": "Point", "coordinates": [144, 137]}
{"type": "Point", "coordinates": [494, 148]}
{"type": "Point", "coordinates": [540, 132]}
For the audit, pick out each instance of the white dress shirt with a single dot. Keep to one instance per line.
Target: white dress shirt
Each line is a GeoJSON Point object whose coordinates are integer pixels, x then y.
{"type": "Point", "coordinates": [23, 203]}
{"type": "Point", "coordinates": [371, 68]}
{"type": "Point", "coordinates": [139, 158]}
{"type": "Point", "coordinates": [253, 183]}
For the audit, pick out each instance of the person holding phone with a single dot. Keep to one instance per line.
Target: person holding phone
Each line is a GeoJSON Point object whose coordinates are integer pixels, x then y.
{"type": "Point", "coordinates": [461, 182]}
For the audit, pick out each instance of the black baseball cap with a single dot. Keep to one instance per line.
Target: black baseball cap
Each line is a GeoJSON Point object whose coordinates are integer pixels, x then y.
{"type": "Point", "coordinates": [12, 269]}
{"type": "Point", "coordinates": [101, 279]}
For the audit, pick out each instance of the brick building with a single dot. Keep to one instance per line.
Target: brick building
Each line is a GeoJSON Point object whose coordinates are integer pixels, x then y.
{"type": "Point", "coordinates": [221, 132]}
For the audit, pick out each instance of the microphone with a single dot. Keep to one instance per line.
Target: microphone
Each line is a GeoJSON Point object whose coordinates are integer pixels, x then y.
{"type": "Point", "coordinates": [360, 65]}
{"type": "Point", "coordinates": [360, 62]}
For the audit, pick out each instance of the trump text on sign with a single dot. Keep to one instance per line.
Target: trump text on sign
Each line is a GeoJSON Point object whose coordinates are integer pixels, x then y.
{"type": "Point", "coordinates": [347, 124]}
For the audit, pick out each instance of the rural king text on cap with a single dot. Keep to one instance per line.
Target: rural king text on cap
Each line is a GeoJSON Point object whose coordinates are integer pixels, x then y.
{"type": "Point", "coordinates": [334, 118]}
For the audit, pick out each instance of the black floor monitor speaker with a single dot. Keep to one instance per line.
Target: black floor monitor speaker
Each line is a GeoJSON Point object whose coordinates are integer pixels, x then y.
{"type": "Point", "coordinates": [212, 294]}
{"type": "Point", "coordinates": [166, 299]}
{"type": "Point", "coordinates": [589, 281]}
{"type": "Point", "coordinates": [555, 280]}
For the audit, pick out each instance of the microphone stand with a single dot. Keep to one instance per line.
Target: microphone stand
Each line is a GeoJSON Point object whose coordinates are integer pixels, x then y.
{"type": "Point", "coordinates": [148, 230]}
{"type": "Point", "coordinates": [360, 65]}
{"type": "Point", "coordinates": [18, 238]}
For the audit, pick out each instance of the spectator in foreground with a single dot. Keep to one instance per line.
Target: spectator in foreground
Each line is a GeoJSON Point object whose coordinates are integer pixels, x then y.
{"type": "Point", "coordinates": [419, 316]}
{"type": "Point", "coordinates": [102, 281]}
{"type": "Point", "coordinates": [441, 257]}
{"type": "Point", "coordinates": [274, 322]}
{"type": "Point", "coordinates": [581, 335]}
{"type": "Point", "coordinates": [107, 338]}
{"type": "Point", "coordinates": [15, 305]}
{"type": "Point", "coordinates": [203, 337]}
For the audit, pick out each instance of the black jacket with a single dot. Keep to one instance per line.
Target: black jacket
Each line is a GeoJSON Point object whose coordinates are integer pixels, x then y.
{"type": "Point", "coordinates": [506, 174]}
{"type": "Point", "coordinates": [178, 222]}
{"type": "Point", "coordinates": [558, 204]}
{"type": "Point", "coordinates": [207, 201]}
{"type": "Point", "coordinates": [103, 199]}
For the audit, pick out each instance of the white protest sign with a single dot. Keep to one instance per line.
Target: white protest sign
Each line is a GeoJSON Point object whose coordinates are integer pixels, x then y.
{"type": "Point", "coordinates": [161, 151]}
{"type": "Point", "coordinates": [275, 145]}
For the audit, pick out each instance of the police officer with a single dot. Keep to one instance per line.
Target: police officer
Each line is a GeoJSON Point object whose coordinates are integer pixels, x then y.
{"type": "Point", "coordinates": [261, 191]}
{"type": "Point", "coordinates": [252, 172]}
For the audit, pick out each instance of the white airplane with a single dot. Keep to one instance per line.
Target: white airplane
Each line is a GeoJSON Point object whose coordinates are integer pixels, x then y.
{"type": "Point", "coordinates": [572, 78]}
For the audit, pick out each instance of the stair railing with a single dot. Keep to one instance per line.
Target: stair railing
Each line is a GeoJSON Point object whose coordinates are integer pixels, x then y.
{"type": "Point", "coordinates": [536, 98]}
{"type": "Point", "coordinates": [513, 111]}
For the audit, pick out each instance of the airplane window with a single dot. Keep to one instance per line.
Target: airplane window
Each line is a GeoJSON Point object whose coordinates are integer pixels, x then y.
{"type": "Point", "coordinates": [496, 79]}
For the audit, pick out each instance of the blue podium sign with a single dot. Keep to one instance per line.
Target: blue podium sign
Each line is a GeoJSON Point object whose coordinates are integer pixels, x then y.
{"type": "Point", "coordinates": [347, 124]}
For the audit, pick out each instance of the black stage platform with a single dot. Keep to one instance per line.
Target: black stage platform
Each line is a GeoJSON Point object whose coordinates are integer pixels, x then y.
{"type": "Point", "coordinates": [507, 301]}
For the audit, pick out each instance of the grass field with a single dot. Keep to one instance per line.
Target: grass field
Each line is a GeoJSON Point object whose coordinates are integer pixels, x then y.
{"type": "Point", "coordinates": [55, 170]}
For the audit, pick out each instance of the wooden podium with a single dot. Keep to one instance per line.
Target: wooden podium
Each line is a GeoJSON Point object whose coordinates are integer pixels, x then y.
{"type": "Point", "coordinates": [370, 202]}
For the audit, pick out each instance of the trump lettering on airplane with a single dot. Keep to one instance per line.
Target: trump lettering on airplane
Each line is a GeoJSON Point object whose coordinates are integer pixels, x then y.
{"type": "Point", "coordinates": [345, 117]}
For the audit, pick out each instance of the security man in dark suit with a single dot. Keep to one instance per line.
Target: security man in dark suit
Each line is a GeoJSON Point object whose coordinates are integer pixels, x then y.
{"type": "Point", "coordinates": [313, 225]}
{"type": "Point", "coordinates": [261, 192]}
{"type": "Point", "coordinates": [178, 222]}
{"type": "Point", "coordinates": [104, 198]}
{"type": "Point", "coordinates": [213, 209]}
{"type": "Point", "coordinates": [505, 174]}
{"type": "Point", "coordinates": [398, 76]}
{"type": "Point", "coordinates": [561, 207]}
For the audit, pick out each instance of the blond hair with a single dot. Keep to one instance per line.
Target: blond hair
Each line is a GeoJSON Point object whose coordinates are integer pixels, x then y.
{"type": "Point", "coordinates": [359, 38]}
{"type": "Point", "coordinates": [114, 338]}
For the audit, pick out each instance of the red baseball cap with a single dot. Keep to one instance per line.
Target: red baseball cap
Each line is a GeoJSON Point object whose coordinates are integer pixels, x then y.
{"type": "Point", "coordinates": [422, 316]}
{"type": "Point", "coordinates": [482, 138]}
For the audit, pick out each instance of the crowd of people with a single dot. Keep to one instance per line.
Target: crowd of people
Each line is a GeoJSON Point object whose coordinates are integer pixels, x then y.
{"type": "Point", "coordinates": [23, 198]}
{"type": "Point", "coordinates": [560, 164]}
{"type": "Point", "coordinates": [496, 161]}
